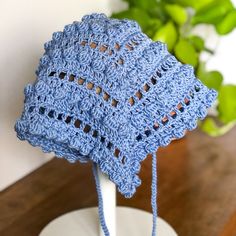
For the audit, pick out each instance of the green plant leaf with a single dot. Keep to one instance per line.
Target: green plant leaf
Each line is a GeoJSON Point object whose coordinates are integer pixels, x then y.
{"type": "Point", "coordinates": [199, 4]}
{"type": "Point", "coordinates": [186, 53]}
{"type": "Point", "coordinates": [154, 25]}
{"type": "Point", "coordinates": [227, 24]}
{"type": "Point", "coordinates": [227, 103]}
{"type": "Point", "coordinates": [211, 128]}
{"type": "Point", "coordinates": [212, 13]}
{"type": "Point", "coordinates": [136, 14]}
{"type": "Point", "coordinates": [167, 34]}
{"type": "Point", "coordinates": [190, 3]}
{"type": "Point", "coordinates": [212, 79]}
{"type": "Point", "coordinates": [142, 4]}
{"type": "Point", "coordinates": [177, 13]}
{"type": "Point", "coordinates": [159, 12]}
{"type": "Point", "coordinates": [197, 42]}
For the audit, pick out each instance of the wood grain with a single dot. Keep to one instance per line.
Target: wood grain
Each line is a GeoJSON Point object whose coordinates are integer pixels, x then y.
{"type": "Point", "coordinates": [196, 190]}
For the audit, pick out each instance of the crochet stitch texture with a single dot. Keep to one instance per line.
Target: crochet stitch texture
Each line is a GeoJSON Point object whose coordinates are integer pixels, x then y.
{"type": "Point", "coordinates": [105, 92]}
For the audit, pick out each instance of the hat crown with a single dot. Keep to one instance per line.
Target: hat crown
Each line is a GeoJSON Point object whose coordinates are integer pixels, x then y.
{"type": "Point", "coordinates": [110, 53]}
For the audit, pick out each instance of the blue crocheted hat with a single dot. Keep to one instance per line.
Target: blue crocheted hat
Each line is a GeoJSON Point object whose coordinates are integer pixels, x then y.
{"type": "Point", "coordinates": [106, 92]}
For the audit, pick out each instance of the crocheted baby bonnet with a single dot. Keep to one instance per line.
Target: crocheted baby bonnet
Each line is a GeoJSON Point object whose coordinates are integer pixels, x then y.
{"type": "Point", "coordinates": [107, 93]}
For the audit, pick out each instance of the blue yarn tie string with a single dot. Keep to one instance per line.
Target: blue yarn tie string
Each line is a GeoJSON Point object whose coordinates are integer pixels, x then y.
{"type": "Point", "coordinates": [100, 201]}
{"type": "Point", "coordinates": [154, 193]}
{"type": "Point", "coordinates": [153, 197]}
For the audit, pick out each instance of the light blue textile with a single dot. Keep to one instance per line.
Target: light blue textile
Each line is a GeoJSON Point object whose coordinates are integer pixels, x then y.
{"type": "Point", "coordinates": [107, 93]}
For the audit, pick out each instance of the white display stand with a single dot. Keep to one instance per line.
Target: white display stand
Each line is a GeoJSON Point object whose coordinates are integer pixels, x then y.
{"type": "Point", "coordinates": [121, 221]}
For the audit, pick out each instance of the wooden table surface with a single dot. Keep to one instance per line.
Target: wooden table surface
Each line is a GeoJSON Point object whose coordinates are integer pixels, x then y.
{"type": "Point", "coordinates": [197, 190]}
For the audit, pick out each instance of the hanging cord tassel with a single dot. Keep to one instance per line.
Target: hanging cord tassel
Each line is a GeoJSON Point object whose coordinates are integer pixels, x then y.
{"type": "Point", "coordinates": [100, 201]}
{"type": "Point", "coordinates": [154, 193]}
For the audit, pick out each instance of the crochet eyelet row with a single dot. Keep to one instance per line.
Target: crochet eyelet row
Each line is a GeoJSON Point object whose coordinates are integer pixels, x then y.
{"type": "Point", "coordinates": [105, 48]}
{"type": "Point", "coordinates": [89, 85]}
{"type": "Point", "coordinates": [162, 69]}
{"type": "Point", "coordinates": [172, 115]}
{"type": "Point", "coordinates": [166, 65]}
{"type": "Point", "coordinates": [78, 124]}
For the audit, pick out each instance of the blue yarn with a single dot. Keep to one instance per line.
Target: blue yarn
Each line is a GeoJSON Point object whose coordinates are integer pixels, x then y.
{"type": "Point", "coordinates": [154, 193]}
{"type": "Point", "coordinates": [106, 92]}
{"type": "Point", "coordinates": [100, 201]}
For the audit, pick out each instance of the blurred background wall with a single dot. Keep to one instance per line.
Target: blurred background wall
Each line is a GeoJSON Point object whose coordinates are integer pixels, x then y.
{"type": "Point", "coordinates": [24, 27]}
